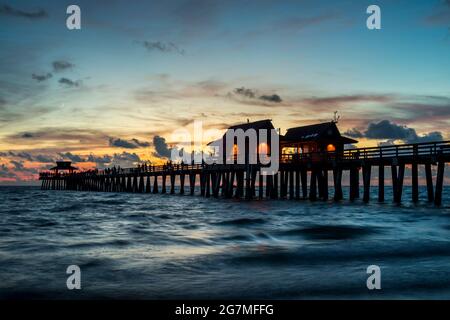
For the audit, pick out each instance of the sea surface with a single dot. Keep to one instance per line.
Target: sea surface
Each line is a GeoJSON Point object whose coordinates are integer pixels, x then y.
{"type": "Point", "coordinates": [145, 246]}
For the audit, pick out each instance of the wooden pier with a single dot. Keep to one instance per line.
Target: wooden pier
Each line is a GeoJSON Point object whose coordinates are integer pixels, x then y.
{"type": "Point", "coordinates": [300, 176]}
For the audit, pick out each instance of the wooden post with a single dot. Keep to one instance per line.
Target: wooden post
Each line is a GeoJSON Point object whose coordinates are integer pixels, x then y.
{"type": "Point", "coordinates": [325, 184]}
{"type": "Point", "coordinates": [172, 182]}
{"type": "Point", "coordinates": [129, 184]}
{"type": "Point", "coordinates": [163, 183]}
{"type": "Point", "coordinates": [381, 183]}
{"type": "Point", "coordinates": [248, 192]}
{"type": "Point", "coordinates": [366, 180]}
{"type": "Point", "coordinates": [394, 181]}
{"type": "Point", "coordinates": [439, 183]}
{"type": "Point", "coordinates": [354, 184]}
{"type": "Point", "coordinates": [274, 191]}
{"type": "Point", "coordinates": [202, 183]}
{"type": "Point", "coordinates": [401, 175]}
{"type": "Point", "coordinates": [231, 184]}
{"type": "Point", "coordinates": [297, 184]}
{"type": "Point", "coordinates": [147, 186]}
{"type": "Point", "coordinates": [282, 184]}
{"type": "Point", "coordinates": [260, 185]}
{"type": "Point", "coordinates": [181, 183]}
{"type": "Point", "coordinates": [291, 185]}
{"type": "Point", "coordinates": [429, 178]}
{"type": "Point", "coordinates": [415, 182]}
{"type": "Point", "coordinates": [208, 185]}
{"type": "Point", "coordinates": [141, 183]}
{"type": "Point", "coordinates": [304, 178]}
{"type": "Point", "coordinates": [192, 183]}
{"type": "Point", "coordinates": [337, 180]}
{"type": "Point", "coordinates": [312, 186]}
{"type": "Point", "coordinates": [269, 184]}
{"type": "Point", "coordinates": [155, 184]}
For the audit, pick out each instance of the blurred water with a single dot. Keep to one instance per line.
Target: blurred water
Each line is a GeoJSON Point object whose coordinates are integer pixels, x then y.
{"type": "Point", "coordinates": [171, 246]}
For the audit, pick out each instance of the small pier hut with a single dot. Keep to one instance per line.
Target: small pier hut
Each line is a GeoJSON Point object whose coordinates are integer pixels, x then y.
{"type": "Point", "coordinates": [63, 166]}
{"type": "Point", "coordinates": [311, 139]}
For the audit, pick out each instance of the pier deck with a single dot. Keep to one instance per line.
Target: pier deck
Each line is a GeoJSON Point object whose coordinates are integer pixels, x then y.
{"type": "Point", "coordinates": [300, 176]}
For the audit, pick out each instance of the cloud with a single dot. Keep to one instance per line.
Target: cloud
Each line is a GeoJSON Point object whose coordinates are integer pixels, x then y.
{"type": "Point", "coordinates": [167, 47]}
{"type": "Point", "coordinates": [161, 148]}
{"type": "Point", "coordinates": [251, 94]}
{"type": "Point", "coordinates": [386, 129]}
{"type": "Point", "coordinates": [42, 77]}
{"type": "Point", "coordinates": [271, 98]}
{"type": "Point", "coordinates": [69, 83]}
{"type": "Point", "coordinates": [72, 157]}
{"type": "Point", "coordinates": [354, 133]}
{"type": "Point", "coordinates": [61, 65]}
{"type": "Point", "coordinates": [346, 99]}
{"type": "Point", "coordinates": [13, 12]}
{"type": "Point", "coordinates": [441, 15]}
{"type": "Point", "coordinates": [127, 144]}
{"type": "Point", "coordinates": [5, 172]}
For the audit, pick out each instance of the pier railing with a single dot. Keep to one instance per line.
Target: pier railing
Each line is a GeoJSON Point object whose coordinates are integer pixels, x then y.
{"type": "Point", "coordinates": [431, 149]}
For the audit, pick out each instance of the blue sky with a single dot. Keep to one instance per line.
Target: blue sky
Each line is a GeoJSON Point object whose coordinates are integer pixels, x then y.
{"type": "Point", "coordinates": [139, 70]}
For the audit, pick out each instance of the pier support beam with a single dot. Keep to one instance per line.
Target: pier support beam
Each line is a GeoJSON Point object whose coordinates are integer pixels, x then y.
{"type": "Point", "coordinates": [337, 180]}
{"type": "Point", "coordinates": [366, 180]}
{"type": "Point", "coordinates": [354, 183]}
{"type": "Point", "coordinates": [415, 182]}
{"type": "Point", "coordinates": [381, 183]}
{"type": "Point", "coordinates": [313, 186]}
{"type": "Point", "coordinates": [439, 183]}
{"type": "Point", "coordinates": [429, 178]}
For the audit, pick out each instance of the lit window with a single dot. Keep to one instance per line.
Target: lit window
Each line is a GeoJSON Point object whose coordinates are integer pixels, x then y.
{"type": "Point", "coordinates": [263, 148]}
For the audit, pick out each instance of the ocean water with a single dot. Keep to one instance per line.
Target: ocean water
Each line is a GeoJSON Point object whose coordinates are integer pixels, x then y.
{"type": "Point", "coordinates": [145, 246]}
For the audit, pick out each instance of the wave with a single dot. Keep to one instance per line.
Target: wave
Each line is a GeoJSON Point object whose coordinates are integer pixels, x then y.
{"type": "Point", "coordinates": [330, 232]}
{"type": "Point", "coordinates": [241, 221]}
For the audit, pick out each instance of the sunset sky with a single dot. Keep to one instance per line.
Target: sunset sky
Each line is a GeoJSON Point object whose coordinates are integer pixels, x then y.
{"type": "Point", "coordinates": [113, 92]}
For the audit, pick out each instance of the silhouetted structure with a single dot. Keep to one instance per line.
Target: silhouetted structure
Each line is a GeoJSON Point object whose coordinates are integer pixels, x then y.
{"type": "Point", "coordinates": [291, 182]}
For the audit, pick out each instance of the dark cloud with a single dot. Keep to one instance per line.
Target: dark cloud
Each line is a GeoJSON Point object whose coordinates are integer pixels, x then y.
{"type": "Point", "coordinates": [27, 156]}
{"type": "Point", "coordinates": [43, 158]}
{"type": "Point", "coordinates": [167, 47]}
{"type": "Point", "coordinates": [5, 172]}
{"type": "Point", "coordinates": [354, 133]}
{"type": "Point", "coordinates": [61, 65]}
{"type": "Point", "coordinates": [271, 98]}
{"type": "Point", "coordinates": [69, 83]}
{"type": "Point", "coordinates": [72, 157]}
{"type": "Point", "coordinates": [13, 12]}
{"type": "Point", "coordinates": [161, 148]}
{"type": "Point", "coordinates": [127, 144]}
{"type": "Point", "coordinates": [252, 94]}
{"type": "Point", "coordinates": [100, 160]}
{"type": "Point", "coordinates": [125, 159]}
{"type": "Point", "coordinates": [346, 99]}
{"type": "Point", "coordinates": [386, 129]}
{"type": "Point", "coordinates": [41, 77]}
{"type": "Point", "coordinates": [249, 93]}
{"type": "Point", "coordinates": [27, 135]}
{"type": "Point", "coordinates": [18, 165]}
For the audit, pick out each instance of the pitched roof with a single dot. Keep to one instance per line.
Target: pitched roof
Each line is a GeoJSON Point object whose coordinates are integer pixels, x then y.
{"type": "Point", "coordinates": [261, 124]}
{"type": "Point", "coordinates": [64, 165]}
{"type": "Point", "coordinates": [323, 131]}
